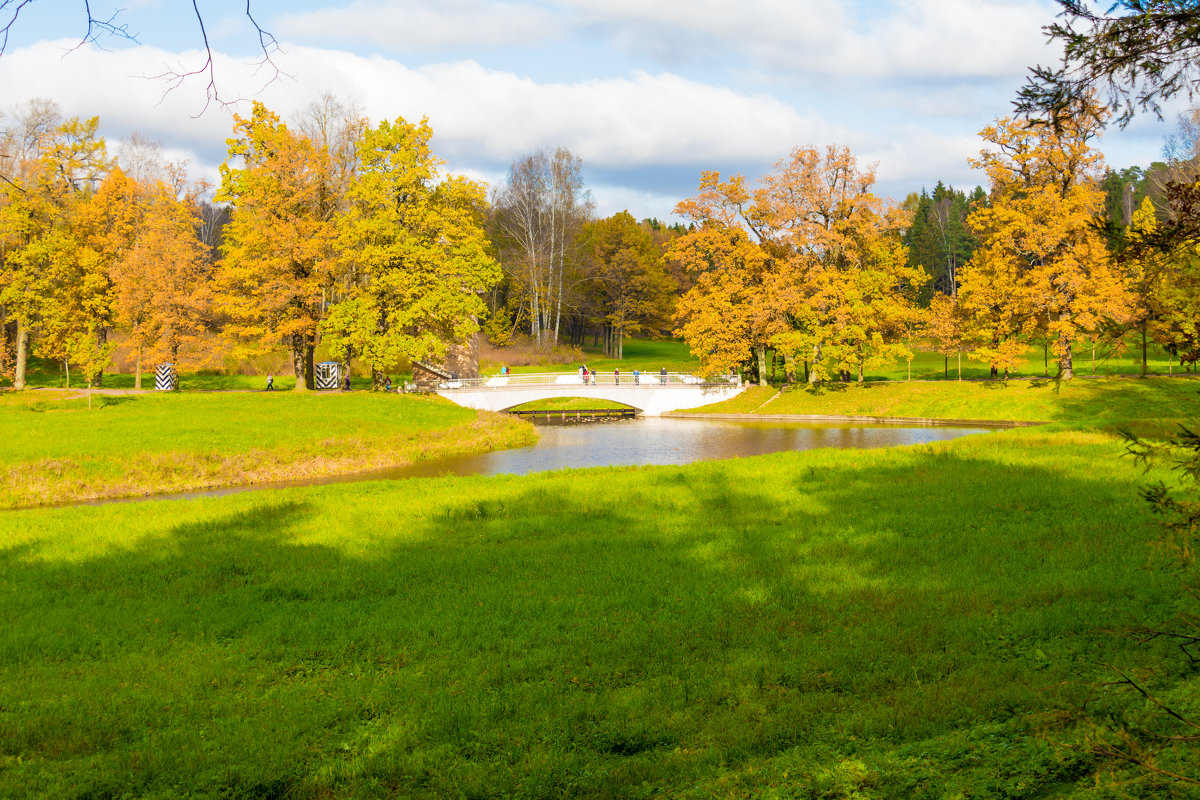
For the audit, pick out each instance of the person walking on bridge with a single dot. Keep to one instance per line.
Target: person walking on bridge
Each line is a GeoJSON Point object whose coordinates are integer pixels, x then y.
{"type": "Point", "coordinates": [662, 376]}
{"type": "Point", "coordinates": [617, 377]}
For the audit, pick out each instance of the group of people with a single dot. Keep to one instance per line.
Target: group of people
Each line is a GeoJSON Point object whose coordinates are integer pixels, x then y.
{"type": "Point", "coordinates": [589, 376]}
{"type": "Point", "coordinates": [387, 384]}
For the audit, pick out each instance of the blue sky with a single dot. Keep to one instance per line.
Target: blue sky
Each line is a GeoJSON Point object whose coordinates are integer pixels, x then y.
{"type": "Point", "coordinates": [648, 94]}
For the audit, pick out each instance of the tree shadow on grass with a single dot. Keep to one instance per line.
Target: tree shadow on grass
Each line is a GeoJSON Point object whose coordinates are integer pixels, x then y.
{"type": "Point", "coordinates": [558, 631]}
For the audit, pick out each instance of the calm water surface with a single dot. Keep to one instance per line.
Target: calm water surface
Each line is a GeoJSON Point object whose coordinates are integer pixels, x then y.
{"type": "Point", "coordinates": [662, 440]}
{"type": "Point", "coordinates": [650, 440]}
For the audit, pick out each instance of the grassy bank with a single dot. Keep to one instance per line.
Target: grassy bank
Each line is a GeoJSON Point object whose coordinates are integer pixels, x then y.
{"type": "Point", "coordinates": [53, 448]}
{"type": "Point", "coordinates": [1098, 402]}
{"type": "Point", "coordinates": [908, 623]}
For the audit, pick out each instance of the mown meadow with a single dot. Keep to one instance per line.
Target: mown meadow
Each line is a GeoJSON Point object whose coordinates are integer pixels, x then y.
{"type": "Point", "coordinates": [920, 622]}
{"type": "Point", "coordinates": [65, 446]}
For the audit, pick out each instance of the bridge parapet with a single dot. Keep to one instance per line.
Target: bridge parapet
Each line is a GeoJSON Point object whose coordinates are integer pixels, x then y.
{"type": "Point", "coordinates": [650, 393]}
{"type": "Point", "coordinates": [568, 379]}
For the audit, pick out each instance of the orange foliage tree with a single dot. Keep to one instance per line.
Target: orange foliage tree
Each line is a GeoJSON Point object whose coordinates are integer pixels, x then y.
{"type": "Point", "coordinates": [831, 285]}
{"type": "Point", "coordinates": [278, 261]}
{"type": "Point", "coordinates": [1041, 269]}
{"type": "Point", "coordinates": [159, 265]}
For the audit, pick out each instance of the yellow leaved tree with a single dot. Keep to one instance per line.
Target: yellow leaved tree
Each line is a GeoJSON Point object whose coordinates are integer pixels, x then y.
{"type": "Point", "coordinates": [1041, 268]}
{"type": "Point", "coordinates": [278, 260]}
{"type": "Point", "coordinates": [414, 251]}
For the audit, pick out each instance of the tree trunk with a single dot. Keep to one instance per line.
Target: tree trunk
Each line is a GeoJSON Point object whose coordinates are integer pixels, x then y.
{"type": "Point", "coordinates": [22, 351]}
{"type": "Point", "coordinates": [377, 380]}
{"type": "Point", "coordinates": [946, 365]}
{"type": "Point", "coordinates": [960, 366]}
{"type": "Point", "coordinates": [1066, 365]}
{"type": "Point", "coordinates": [310, 367]}
{"type": "Point", "coordinates": [811, 376]}
{"type": "Point", "coordinates": [1144, 348]}
{"type": "Point", "coordinates": [762, 365]}
{"type": "Point", "coordinates": [96, 379]}
{"type": "Point", "coordinates": [860, 365]}
{"type": "Point", "coordinates": [774, 363]}
{"type": "Point", "coordinates": [137, 370]}
{"type": "Point", "coordinates": [298, 362]}
{"type": "Point", "coordinates": [789, 367]}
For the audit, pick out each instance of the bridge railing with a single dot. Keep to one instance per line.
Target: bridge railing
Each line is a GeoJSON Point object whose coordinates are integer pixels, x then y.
{"type": "Point", "coordinates": [565, 380]}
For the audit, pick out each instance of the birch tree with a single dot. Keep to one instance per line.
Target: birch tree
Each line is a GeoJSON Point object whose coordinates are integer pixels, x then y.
{"type": "Point", "coordinates": [539, 213]}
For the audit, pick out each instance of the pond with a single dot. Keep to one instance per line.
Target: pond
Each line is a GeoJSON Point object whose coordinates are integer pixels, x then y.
{"type": "Point", "coordinates": [647, 440]}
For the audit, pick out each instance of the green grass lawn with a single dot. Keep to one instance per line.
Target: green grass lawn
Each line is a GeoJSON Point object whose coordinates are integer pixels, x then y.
{"type": "Point", "coordinates": [921, 622]}
{"type": "Point", "coordinates": [1095, 402]}
{"type": "Point", "coordinates": [642, 354]}
{"type": "Point", "coordinates": [906, 623]}
{"type": "Point", "coordinates": [54, 448]}
{"type": "Point", "coordinates": [568, 404]}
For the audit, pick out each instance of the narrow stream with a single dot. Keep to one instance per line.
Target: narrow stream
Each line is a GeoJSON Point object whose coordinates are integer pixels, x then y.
{"type": "Point", "coordinates": [648, 440]}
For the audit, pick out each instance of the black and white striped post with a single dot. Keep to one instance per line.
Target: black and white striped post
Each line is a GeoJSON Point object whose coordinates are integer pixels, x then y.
{"type": "Point", "coordinates": [328, 375]}
{"type": "Point", "coordinates": [166, 379]}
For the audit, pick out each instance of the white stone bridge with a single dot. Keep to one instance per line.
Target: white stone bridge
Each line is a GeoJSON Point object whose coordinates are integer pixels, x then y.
{"type": "Point", "coordinates": [651, 394]}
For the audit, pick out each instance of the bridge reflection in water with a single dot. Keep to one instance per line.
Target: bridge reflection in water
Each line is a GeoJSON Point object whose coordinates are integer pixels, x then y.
{"type": "Point", "coordinates": [650, 394]}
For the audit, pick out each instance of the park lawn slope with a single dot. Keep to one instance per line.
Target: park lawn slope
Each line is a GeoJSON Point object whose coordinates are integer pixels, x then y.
{"type": "Point", "coordinates": [1101, 402]}
{"type": "Point", "coordinates": [903, 623]}
{"type": "Point", "coordinates": [55, 449]}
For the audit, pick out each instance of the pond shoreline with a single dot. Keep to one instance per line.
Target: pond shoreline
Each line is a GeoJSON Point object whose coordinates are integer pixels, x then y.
{"type": "Point", "coordinates": [927, 422]}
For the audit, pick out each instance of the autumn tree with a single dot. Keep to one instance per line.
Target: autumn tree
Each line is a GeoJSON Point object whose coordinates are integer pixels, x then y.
{"type": "Point", "coordinates": [725, 316]}
{"type": "Point", "coordinates": [722, 317]}
{"type": "Point", "coordinates": [948, 329]}
{"type": "Point", "coordinates": [54, 279]}
{"type": "Point", "coordinates": [417, 249]}
{"type": "Point", "coordinates": [632, 291]}
{"type": "Point", "coordinates": [1042, 268]}
{"type": "Point", "coordinates": [843, 282]}
{"type": "Point", "coordinates": [159, 267]}
{"type": "Point", "coordinates": [277, 257]}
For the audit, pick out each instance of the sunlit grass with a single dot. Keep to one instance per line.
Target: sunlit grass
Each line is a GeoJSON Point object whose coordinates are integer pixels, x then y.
{"type": "Point", "coordinates": [1114, 401]}
{"type": "Point", "coordinates": [805, 624]}
{"type": "Point", "coordinates": [54, 448]}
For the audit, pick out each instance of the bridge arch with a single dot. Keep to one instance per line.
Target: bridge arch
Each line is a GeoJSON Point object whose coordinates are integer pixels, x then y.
{"type": "Point", "coordinates": [652, 395]}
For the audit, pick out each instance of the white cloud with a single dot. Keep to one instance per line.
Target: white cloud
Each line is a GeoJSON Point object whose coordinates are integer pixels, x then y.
{"type": "Point", "coordinates": [482, 115]}
{"type": "Point", "coordinates": [938, 39]}
{"type": "Point", "coordinates": [415, 24]}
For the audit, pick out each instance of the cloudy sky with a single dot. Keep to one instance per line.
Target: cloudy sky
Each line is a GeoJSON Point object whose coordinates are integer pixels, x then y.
{"type": "Point", "coordinates": [648, 94]}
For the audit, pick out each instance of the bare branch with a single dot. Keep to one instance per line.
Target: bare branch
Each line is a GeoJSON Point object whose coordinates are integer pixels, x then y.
{"type": "Point", "coordinates": [174, 77]}
{"type": "Point", "coordinates": [15, 10]}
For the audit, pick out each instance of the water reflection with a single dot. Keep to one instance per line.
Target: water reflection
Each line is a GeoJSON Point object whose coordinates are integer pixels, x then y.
{"type": "Point", "coordinates": [648, 440]}
{"type": "Point", "coordinates": [662, 440]}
